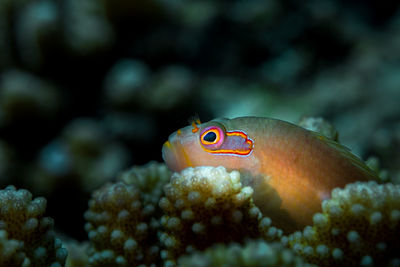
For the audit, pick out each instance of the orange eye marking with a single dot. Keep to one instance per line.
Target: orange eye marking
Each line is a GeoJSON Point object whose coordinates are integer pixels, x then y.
{"type": "Point", "coordinates": [179, 132]}
{"type": "Point", "coordinates": [205, 142]}
{"type": "Point", "coordinates": [195, 128]}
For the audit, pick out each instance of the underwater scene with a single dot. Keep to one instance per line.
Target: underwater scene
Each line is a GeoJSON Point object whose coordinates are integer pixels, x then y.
{"type": "Point", "coordinates": [199, 133]}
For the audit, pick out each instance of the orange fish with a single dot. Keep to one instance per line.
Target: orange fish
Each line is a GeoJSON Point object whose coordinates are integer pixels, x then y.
{"type": "Point", "coordinates": [290, 169]}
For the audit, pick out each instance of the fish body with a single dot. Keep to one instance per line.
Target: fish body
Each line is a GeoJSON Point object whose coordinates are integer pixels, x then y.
{"type": "Point", "coordinates": [290, 169]}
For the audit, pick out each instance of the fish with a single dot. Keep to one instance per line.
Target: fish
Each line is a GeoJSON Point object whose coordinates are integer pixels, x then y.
{"type": "Point", "coordinates": [290, 169]}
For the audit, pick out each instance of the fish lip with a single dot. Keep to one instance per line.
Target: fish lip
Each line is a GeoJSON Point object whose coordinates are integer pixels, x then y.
{"type": "Point", "coordinates": [166, 146]}
{"type": "Point", "coordinates": [169, 153]}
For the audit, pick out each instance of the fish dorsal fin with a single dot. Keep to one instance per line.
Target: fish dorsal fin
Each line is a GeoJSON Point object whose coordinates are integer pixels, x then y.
{"type": "Point", "coordinates": [346, 153]}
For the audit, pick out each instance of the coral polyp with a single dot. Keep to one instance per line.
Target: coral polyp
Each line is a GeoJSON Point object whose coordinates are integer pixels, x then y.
{"type": "Point", "coordinates": [27, 237]}
{"type": "Point", "coordinates": [123, 218]}
{"type": "Point", "coordinates": [208, 205]}
{"type": "Point", "coordinates": [358, 226]}
{"type": "Point", "coordinates": [255, 253]}
{"type": "Point", "coordinates": [120, 228]}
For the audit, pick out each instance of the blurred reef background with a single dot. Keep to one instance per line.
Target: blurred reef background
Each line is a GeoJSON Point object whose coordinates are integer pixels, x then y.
{"type": "Point", "coordinates": [89, 88]}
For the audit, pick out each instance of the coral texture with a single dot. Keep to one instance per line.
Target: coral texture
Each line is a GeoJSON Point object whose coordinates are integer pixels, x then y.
{"type": "Point", "coordinates": [123, 218]}
{"type": "Point", "coordinates": [10, 251]}
{"type": "Point", "coordinates": [24, 95]}
{"type": "Point", "coordinates": [208, 205]}
{"type": "Point", "coordinates": [121, 229]}
{"type": "Point", "coordinates": [149, 179]}
{"type": "Point", "coordinates": [319, 125]}
{"type": "Point", "coordinates": [77, 256]}
{"type": "Point", "coordinates": [383, 175]}
{"type": "Point", "coordinates": [359, 226]}
{"type": "Point", "coordinates": [84, 156]}
{"type": "Point", "coordinates": [26, 236]}
{"type": "Point", "coordinates": [254, 253]}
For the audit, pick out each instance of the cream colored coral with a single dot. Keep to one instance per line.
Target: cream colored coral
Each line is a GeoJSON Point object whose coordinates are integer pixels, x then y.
{"type": "Point", "coordinates": [123, 218]}
{"type": "Point", "coordinates": [77, 253]}
{"type": "Point", "coordinates": [122, 231]}
{"type": "Point", "coordinates": [319, 125]}
{"type": "Point", "coordinates": [256, 253]}
{"type": "Point", "coordinates": [149, 179]}
{"type": "Point", "coordinates": [207, 205]}
{"type": "Point", "coordinates": [26, 235]}
{"type": "Point", "coordinates": [10, 251]}
{"type": "Point", "coordinates": [360, 225]}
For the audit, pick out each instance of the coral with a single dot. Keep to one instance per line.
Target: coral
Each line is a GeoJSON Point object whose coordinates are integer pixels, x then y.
{"type": "Point", "coordinates": [169, 88]}
{"type": "Point", "coordinates": [383, 175]}
{"type": "Point", "coordinates": [124, 82]}
{"type": "Point", "coordinates": [37, 23]}
{"type": "Point", "coordinates": [26, 235]}
{"type": "Point", "coordinates": [207, 205]}
{"type": "Point", "coordinates": [319, 125]}
{"type": "Point", "coordinates": [23, 95]}
{"type": "Point", "coordinates": [255, 253]}
{"type": "Point", "coordinates": [123, 218]}
{"type": "Point", "coordinates": [149, 179]}
{"type": "Point", "coordinates": [77, 256]}
{"type": "Point", "coordinates": [84, 156]}
{"type": "Point", "coordinates": [10, 251]}
{"type": "Point", "coordinates": [87, 29]}
{"type": "Point", "coordinates": [121, 228]}
{"type": "Point", "coordinates": [359, 225]}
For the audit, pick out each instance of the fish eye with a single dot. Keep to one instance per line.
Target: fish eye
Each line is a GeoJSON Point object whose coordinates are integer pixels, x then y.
{"type": "Point", "coordinates": [210, 137]}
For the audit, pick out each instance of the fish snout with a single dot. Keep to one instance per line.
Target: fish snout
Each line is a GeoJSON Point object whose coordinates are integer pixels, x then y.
{"type": "Point", "coordinates": [170, 155]}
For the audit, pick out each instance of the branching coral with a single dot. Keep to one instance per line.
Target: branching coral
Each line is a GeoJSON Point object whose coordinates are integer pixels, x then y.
{"type": "Point", "coordinates": [383, 175]}
{"type": "Point", "coordinates": [77, 256]}
{"type": "Point", "coordinates": [207, 205]}
{"type": "Point", "coordinates": [120, 229]}
{"type": "Point", "coordinates": [84, 156]}
{"type": "Point", "coordinates": [26, 236]}
{"type": "Point", "coordinates": [360, 225]}
{"type": "Point", "coordinates": [130, 83]}
{"type": "Point", "coordinates": [319, 125]}
{"type": "Point", "coordinates": [255, 253]}
{"type": "Point", "coordinates": [23, 95]}
{"type": "Point", "coordinates": [149, 179]}
{"type": "Point", "coordinates": [123, 218]}
{"type": "Point", "coordinates": [10, 251]}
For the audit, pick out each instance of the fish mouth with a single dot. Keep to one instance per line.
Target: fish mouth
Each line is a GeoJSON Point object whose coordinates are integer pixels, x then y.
{"type": "Point", "coordinates": [170, 154]}
{"type": "Point", "coordinates": [174, 151]}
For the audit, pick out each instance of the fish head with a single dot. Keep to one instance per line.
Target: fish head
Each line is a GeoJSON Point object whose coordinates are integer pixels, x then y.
{"type": "Point", "coordinates": [206, 144]}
